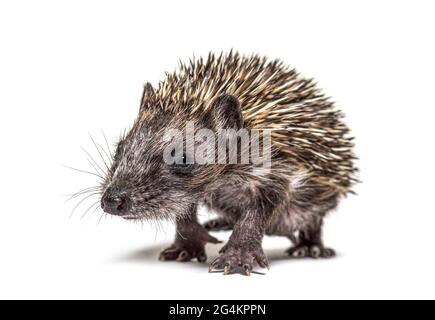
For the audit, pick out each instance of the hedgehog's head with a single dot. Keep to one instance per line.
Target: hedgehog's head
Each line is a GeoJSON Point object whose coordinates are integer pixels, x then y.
{"type": "Point", "coordinates": [156, 174]}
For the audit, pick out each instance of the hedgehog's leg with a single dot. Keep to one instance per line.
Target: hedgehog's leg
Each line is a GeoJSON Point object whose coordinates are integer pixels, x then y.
{"type": "Point", "coordinates": [308, 243]}
{"type": "Point", "coordinates": [190, 240]}
{"type": "Point", "coordinates": [243, 250]}
{"type": "Point", "coordinates": [218, 224]}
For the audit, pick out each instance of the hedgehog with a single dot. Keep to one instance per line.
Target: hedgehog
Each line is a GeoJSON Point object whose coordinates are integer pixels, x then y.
{"type": "Point", "coordinates": [311, 165]}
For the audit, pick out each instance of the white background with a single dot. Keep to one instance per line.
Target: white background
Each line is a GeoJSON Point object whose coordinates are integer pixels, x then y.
{"type": "Point", "coordinates": [72, 67]}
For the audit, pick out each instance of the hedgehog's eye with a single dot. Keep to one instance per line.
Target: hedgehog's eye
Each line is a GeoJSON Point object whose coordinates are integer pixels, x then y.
{"type": "Point", "coordinates": [181, 166]}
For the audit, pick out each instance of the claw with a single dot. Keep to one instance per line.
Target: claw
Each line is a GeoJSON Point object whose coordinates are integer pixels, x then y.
{"type": "Point", "coordinates": [263, 263]}
{"type": "Point", "coordinates": [201, 257]}
{"type": "Point", "coordinates": [300, 252]}
{"type": "Point", "coordinates": [183, 256]}
{"type": "Point", "coordinates": [214, 263]}
{"type": "Point", "coordinates": [212, 239]}
{"type": "Point", "coordinates": [247, 268]}
{"type": "Point", "coordinates": [223, 249]}
{"type": "Point", "coordinates": [226, 270]}
{"type": "Point", "coordinates": [329, 253]}
{"type": "Point", "coordinates": [315, 252]}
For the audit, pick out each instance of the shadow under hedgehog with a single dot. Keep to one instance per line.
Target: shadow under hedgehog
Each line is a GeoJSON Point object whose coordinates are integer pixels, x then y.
{"type": "Point", "coordinates": [311, 166]}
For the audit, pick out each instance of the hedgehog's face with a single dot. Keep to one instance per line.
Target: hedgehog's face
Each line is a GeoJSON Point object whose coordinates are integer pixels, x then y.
{"type": "Point", "coordinates": [140, 185]}
{"type": "Point", "coordinates": [151, 176]}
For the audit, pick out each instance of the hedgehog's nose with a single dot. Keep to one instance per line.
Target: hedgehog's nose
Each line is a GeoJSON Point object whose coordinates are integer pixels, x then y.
{"type": "Point", "coordinates": [117, 205]}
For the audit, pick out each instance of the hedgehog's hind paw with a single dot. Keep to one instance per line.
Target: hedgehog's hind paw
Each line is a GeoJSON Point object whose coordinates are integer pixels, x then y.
{"type": "Point", "coordinates": [218, 224]}
{"type": "Point", "coordinates": [183, 254]}
{"type": "Point", "coordinates": [313, 251]}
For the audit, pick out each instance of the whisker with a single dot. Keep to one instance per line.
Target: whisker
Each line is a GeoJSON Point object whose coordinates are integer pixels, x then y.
{"type": "Point", "coordinates": [96, 208]}
{"type": "Point", "coordinates": [71, 194]}
{"type": "Point", "coordinates": [93, 160]}
{"type": "Point", "coordinates": [98, 150]}
{"type": "Point", "coordinates": [105, 152]}
{"type": "Point", "coordinates": [109, 150]}
{"type": "Point", "coordinates": [101, 217]}
{"type": "Point", "coordinates": [84, 171]}
{"type": "Point", "coordinates": [90, 207]}
{"type": "Point", "coordinates": [123, 134]}
{"type": "Point", "coordinates": [78, 193]}
{"type": "Point", "coordinates": [81, 201]}
{"type": "Point", "coordinates": [95, 168]}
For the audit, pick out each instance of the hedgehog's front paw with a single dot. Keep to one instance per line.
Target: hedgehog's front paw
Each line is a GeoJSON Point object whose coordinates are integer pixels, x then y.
{"type": "Point", "coordinates": [314, 251]}
{"type": "Point", "coordinates": [240, 259]}
{"type": "Point", "coordinates": [184, 252]}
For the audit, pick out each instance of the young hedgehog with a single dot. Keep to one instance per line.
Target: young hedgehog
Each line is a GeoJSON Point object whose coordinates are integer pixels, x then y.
{"type": "Point", "coordinates": [311, 161]}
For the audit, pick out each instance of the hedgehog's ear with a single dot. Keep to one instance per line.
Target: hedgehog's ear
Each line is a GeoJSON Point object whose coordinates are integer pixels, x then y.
{"type": "Point", "coordinates": [227, 112]}
{"type": "Point", "coordinates": [148, 96]}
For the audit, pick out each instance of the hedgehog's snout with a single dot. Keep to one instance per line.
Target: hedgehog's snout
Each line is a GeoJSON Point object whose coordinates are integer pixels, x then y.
{"type": "Point", "coordinates": [115, 202]}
